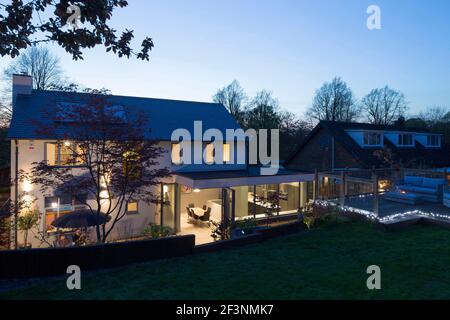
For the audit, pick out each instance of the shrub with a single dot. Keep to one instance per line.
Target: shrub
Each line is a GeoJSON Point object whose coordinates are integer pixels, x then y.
{"type": "Point", "coordinates": [247, 226]}
{"type": "Point", "coordinates": [323, 216]}
{"type": "Point", "coordinates": [154, 231]}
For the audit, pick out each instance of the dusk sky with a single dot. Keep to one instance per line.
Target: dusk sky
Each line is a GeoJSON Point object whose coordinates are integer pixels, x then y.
{"type": "Point", "coordinates": [288, 47]}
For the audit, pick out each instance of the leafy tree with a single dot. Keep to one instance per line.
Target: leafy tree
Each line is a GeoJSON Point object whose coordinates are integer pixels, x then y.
{"type": "Point", "coordinates": [384, 105]}
{"type": "Point", "coordinates": [334, 101]}
{"type": "Point", "coordinates": [24, 23]}
{"type": "Point", "coordinates": [234, 99]}
{"type": "Point", "coordinates": [110, 162]}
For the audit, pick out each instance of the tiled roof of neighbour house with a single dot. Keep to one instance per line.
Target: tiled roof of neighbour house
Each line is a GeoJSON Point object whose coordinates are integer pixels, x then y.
{"type": "Point", "coordinates": [164, 116]}
{"type": "Point", "coordinates": [439, 156]}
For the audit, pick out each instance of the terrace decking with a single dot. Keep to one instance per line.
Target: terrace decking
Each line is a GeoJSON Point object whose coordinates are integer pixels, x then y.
{"type": "Point", "coordinates": [389, 208]}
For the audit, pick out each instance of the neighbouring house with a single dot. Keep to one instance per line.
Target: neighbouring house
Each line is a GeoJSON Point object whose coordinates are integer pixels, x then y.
{"type": "Point", "coordinates": [336, 146]}
{"type": "Point", "coordinates": [230, 189]}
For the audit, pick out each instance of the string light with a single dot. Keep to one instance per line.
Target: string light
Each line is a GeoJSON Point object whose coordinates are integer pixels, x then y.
{"type": "Point", "coordinates": [387, 219]}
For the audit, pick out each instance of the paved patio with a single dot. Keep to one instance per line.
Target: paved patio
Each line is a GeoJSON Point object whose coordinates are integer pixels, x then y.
{"type": "Point", "coordinates": [387, 207]}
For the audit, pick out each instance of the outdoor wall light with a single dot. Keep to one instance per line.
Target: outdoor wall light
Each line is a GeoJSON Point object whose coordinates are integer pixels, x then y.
{"type": "Point", "coordinates": [27, 186]}
{"type": "Point", "coordinates": [104, 195]}
{"type": "Point", "coordinates": [67, 143]}
{"type": "Point", "coordinates": [197, 190]}
{"type": "Point", "coordinates": [54, 204]}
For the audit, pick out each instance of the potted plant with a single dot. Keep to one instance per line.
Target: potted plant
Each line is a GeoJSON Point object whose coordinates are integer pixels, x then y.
{"type": "Point", "coordinates": [27, 222]}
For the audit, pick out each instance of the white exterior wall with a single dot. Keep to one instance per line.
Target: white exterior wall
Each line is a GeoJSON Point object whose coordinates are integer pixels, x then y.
{"type": "Point", "coordinates": [131, 225]}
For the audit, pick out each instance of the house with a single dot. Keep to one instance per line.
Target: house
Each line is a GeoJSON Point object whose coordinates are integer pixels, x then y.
{"type": "Point", "coordinates": [231, 188]}
{"type": "Point", "coordinates": [334, 146]}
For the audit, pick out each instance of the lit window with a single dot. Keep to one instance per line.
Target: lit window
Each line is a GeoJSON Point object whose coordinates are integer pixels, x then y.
{"type": "Point", "coordinates": [226, 152]}
{"type": "Point", "coordinates": [209, 153]}
{"type": "Point", "coordinates": [131, 164]}
{"type": "Point", "coordinates": [63, 154]}
{"type": "Point", "coordinates": [132, 208]}
{"type": "Point", "coordinates": [177, 154]}
{"type": "Point", "coordinates": [51, 153]}
{"type": "Point", "coordinates": [405, 139]}
{"type": "Point", "coordinates": [372, 138]}
{"type": "Point", "coordinates": [56, 207]}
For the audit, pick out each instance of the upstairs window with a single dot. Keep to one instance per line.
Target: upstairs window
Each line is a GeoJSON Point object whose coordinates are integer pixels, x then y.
{"type": "Point", "coordinates": [210, 153]}
{"type": "Point", "coordinates": [63, 154]}
{"type": "Point", "coordinates": [405, 139]}
{"type": "Point", "coordinates": [372, 139]}
{"type": "Point", "coordinates": [177, 154]}
{"type": "Point", "coordinates": [433, 141]}
{"type": "Point", "coordinates": [226, 152]}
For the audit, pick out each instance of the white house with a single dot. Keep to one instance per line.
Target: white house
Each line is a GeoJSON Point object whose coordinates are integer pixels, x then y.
{"type": "Point", "coordinates": [233, 188]}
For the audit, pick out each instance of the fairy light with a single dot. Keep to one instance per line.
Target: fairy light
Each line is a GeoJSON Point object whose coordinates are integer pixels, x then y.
{"type": "Point", "coordinates": [390, 218]}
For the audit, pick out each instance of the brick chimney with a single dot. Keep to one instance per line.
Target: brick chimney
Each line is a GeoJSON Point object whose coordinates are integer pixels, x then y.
{"type": "Point", "coordinates": [22, 84]}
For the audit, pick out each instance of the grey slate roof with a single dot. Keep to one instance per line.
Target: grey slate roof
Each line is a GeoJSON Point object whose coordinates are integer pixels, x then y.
{"type": "Point", "coordinates": [437, 157]}
{"type": "Point", "coordinates": [164, 115]}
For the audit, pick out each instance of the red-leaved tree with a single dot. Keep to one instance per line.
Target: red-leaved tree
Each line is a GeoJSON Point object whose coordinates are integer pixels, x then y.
{"type": "Point", "coordinates": [106, 158]}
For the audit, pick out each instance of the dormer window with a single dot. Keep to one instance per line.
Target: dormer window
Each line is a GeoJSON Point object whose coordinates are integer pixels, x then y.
{"type": "Point", "coordinates": [405, 139]}
{"type": "Point", "coordinates": [433, 141]}
{"type": "Point", "coordinates": [372, 138]}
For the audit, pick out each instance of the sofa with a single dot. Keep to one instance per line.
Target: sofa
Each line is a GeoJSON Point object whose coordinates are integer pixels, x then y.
{"type": "Point", "coordinates": [428, 189]}
{"type": "Point", "coordinates": [446, 201]}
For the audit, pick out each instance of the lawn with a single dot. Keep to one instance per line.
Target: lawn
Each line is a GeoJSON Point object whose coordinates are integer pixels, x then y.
{"type": "Point", "coordinates": [327, 263]}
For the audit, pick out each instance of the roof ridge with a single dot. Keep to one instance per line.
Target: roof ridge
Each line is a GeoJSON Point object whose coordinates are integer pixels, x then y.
{"type": "Point", "coordinates": [121, 96]}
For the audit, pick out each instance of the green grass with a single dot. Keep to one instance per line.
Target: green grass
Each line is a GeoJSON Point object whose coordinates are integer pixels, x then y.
{"type": "Point", "coordinates": [328, 263]}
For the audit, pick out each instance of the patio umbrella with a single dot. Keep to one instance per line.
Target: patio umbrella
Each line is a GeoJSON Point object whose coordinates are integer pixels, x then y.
{"type": "Point", "coordinates": [80, 219]}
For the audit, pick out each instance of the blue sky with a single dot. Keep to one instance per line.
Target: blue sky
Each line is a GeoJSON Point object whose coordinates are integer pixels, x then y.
{"type": "Point", "coordinates": [288, 47]}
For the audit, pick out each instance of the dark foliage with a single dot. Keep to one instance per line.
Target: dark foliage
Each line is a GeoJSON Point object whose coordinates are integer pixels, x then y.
{"type": "Point", "coordinates": [22, 24]}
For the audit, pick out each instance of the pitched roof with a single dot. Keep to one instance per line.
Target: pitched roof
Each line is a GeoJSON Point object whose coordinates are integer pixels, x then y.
{"type": "Point", "coordinates": [164, 116]}
{"type": "Point", "coordinates": [439, 156]}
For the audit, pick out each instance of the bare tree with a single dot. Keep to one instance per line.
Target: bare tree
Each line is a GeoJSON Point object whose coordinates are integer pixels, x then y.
{"type": "Point", "coordinates": [42, 65]}
{"type": "Point", "coordinates": [234, 99]}
{"type": "Point", "coordinates": [435, 114]}
{"type": "Point", "coordinates": [110, 161]}
{"type": "Point", "coordinates": [384, 105]}
{"type": "Point", "coordinates": [263, 111]}
{"type": "Point", "coordinates": [334, 101]}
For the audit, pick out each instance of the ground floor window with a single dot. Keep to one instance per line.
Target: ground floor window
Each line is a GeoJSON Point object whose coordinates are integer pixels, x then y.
{"type": "Point", "coordinates": [132, 207]}
{"type": "Point", "coordinates": [56, 207]}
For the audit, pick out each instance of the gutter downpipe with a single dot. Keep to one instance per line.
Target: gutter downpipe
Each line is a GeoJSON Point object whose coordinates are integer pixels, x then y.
{"type": "Point", "coordinates": [16, 194]}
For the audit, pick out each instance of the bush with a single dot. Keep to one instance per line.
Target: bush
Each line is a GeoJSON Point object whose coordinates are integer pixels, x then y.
{"type": "Point", "coordinates": [154, 231]}
{"type": "Point", "coordinates": [323, 216]}
{"type": "Point", "coordinates": [247, 226]}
